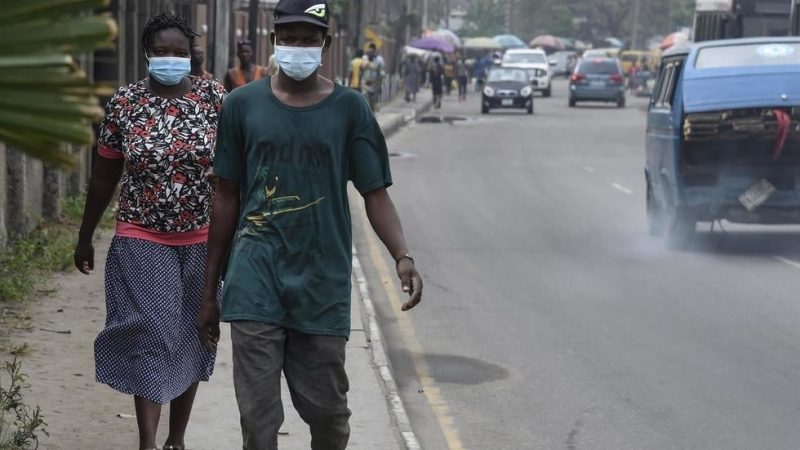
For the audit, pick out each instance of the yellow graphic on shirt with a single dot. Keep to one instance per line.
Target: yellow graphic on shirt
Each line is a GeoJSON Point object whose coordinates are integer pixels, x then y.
{"type": "Point", "coordinates": [274, 207]}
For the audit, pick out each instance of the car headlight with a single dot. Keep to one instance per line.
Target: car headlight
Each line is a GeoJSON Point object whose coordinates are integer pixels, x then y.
{"type": "Point", "coordinates": [526, 91]}
{"type": "Point", "coordinates": [489, 92]}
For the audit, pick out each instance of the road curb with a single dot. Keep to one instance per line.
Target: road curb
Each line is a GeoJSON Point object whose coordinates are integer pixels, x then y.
{"type": "Point", "coordinates": [380, 357]}
{"type": "Point", "coordinates": [380, 360]}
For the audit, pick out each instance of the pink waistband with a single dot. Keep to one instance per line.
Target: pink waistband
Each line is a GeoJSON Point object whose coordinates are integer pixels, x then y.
{"type": "Point", "coordinates": [200, 236]}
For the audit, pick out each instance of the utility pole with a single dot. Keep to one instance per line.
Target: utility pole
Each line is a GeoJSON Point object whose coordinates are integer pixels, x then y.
{"type": "Point", "coordinates": [222, 41]}
{"type": "Point", "coordinates": [635, 27]}
{"type": "Point", "coordinates": [447, 14]}
{"type": "Point", "coordinates": [252, 27]}
{"type": "Point", "coordinates": [425, 4]}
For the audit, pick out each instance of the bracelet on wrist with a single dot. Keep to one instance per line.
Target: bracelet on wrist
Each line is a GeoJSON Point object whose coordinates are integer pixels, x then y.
{"type": "Point", "coordinates": [402, 257]}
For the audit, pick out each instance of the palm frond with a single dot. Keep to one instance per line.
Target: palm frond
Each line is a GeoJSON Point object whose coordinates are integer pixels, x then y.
{"type": "Point", "coordinates": [45, 97]}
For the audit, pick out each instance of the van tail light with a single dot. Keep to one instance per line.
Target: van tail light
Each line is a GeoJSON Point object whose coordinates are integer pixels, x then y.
{"type": "Point", "coordinates": [617, 78]}
{"type": "Point", "coordinates": [577, 77]}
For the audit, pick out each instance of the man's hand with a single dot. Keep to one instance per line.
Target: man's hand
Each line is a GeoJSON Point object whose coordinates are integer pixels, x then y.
{"type": "Point", "coordinates": [84, 257]}
{"type": "Point", "coordinates": [411, 282]}
{"type": "Point", "coordinates": [208, 324]}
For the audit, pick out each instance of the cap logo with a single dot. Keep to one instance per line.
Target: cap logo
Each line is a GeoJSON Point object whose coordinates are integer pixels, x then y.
{"type": "Point", "coordinates": [317, 10]}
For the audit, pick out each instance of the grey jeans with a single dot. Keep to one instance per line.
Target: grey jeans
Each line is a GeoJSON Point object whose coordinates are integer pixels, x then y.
{"type": "Point", "coordinates": [314, 370]}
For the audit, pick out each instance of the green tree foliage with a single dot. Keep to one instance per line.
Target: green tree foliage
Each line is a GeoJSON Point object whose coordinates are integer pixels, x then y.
{"type": "Point", "coordinates": [45, 98]}
{"type": "Point", "coordinates": [588, 20]}
{"type": "Point", "coordinates": [485, 18]}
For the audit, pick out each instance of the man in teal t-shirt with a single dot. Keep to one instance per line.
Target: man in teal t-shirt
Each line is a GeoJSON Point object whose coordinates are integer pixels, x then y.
{"type": "Point", "coordinates": [287, 147]}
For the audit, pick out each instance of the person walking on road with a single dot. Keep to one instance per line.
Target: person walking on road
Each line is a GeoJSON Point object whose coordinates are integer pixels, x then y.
{"type": "Point", "coordinates": [449, 72]}
{"type": "Point", "coordinates": [281, 204]}
{"type": "Point", "coordinates": [435, 75]}
{"type": "Point", "coordinates": [411, 77]}
{"type": "Point", "coordinates": [158, 137]}
{"type": "Point", "coordinates": [371, 81]}
{"type": "Point", "coordinates": [246, 71]}
{"type": "Point", "coordinates": [354, 72]}
{"type": "Point", "coordinates": [462, 75]}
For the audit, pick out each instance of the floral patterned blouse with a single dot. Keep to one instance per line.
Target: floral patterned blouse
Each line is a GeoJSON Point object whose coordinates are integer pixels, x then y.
{"type": "Point", "coordinates": [168, 146]}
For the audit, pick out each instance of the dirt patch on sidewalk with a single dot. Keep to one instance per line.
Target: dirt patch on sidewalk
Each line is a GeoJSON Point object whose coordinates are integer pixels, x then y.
{"type": "Point", "coordinates": [59, 362]}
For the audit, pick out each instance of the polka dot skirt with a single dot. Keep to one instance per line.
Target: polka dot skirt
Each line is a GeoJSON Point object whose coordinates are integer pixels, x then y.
{"type": "Point", "coordinates": [149, 346]}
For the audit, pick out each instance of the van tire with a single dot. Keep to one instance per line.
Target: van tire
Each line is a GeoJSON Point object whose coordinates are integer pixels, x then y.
{"type": "Point", "coordinates": [621, 102]}
{"type": "Point", "coordinates": [655, 214]}
{"type": "Point", "coordinates": [547, 92]}
{"type": "Point", "coordinates": [572, 102]}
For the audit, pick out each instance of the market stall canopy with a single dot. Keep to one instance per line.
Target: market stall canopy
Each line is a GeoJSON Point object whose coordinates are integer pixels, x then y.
{"type": "Point", "coordinates": [509, 41]}
{"type": "Point", "coordinates": [673, 39]}
{"type": "Point", "coordinates": [433, 43]}
{"type": "Point", "coordinates": [481, 43]}
{"type": "Point", "coordinates": [547, 41]}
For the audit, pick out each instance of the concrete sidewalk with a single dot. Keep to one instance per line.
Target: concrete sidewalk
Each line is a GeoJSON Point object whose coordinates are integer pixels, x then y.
{"type": "Point", "coordinates": [84, 414]}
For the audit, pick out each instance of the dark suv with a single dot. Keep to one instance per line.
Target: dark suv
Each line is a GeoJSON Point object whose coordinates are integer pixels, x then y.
{"type": "Point", "coordinates": [597, 79]}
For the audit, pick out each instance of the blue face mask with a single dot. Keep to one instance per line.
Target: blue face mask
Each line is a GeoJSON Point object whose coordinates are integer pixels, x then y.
{"type": "Point", "coordinates": [169, 70]}
{"type": "Point", "coordinates": [298, 63]}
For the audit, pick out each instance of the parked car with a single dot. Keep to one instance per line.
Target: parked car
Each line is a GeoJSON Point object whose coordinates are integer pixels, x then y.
{"type": "Point", "coordinates": [507, 87]}
{"type": "Point", "coordinates": [722, 140]}
{"type": "Point", "coordinates": [563, 62]}
{"type": "Point", "coordinates": [597, 79]}
{"type": "Point", "coordinates": [535, 62]}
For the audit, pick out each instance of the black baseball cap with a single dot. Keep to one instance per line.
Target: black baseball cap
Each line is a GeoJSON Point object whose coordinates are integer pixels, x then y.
{"type": "Point", "coordinates": [315, 12]}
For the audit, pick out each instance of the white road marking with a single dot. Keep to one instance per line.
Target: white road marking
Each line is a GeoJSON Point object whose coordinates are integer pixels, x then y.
{"type": "Point", "coordinates": [589, 169]}
{"type": "Point", "coordinates": [621, 188]}
{"type": "Point", "coordinates": [788, 262]}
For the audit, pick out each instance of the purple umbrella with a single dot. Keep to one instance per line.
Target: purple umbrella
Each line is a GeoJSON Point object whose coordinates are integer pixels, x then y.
{"type": "Point", "coordinates": [433, 43]}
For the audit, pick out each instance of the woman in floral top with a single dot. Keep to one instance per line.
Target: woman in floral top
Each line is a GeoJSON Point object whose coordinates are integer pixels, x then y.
{"type": "Point", "coordinates": [158, 137]}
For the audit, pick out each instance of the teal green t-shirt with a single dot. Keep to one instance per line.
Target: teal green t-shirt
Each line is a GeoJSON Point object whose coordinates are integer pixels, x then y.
{"type": "Point", "coordinates": [291, 259]}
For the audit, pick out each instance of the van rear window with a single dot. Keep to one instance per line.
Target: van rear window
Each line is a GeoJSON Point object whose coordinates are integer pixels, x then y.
{"type": "Point", "coordinates": [747, 55]}
{"type": "Point", "coordinates": [605, 67]}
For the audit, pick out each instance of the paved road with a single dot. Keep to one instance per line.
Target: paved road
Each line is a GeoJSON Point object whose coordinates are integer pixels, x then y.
{"type": "Point", "coordinates": [552, 321]}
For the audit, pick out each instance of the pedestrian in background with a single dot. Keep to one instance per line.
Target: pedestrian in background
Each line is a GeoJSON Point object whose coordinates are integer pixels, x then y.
{"type": "Point", "coordinates": [246, 71]}
{"type": "Point", "coordinates": [198, 60]}
{"type": "Point", "coordinates": [436, 79]}
{"type": "Point", "coordinates": [462, 75]}
{"type": "Point", "coordinates": [371, 81]}
{"type": "Point", "coordinates": [449, 73]}
{"type": "Point", "coordinates": [281, 202]}
{"type": "Point", "coordinates": [158, 136]}
{"type": "Point", "coordinates": [480, 70]}
{"type": "Point", "coordinates": [411, 77]}
{"type": "Point", "coordinates": [354, 71]}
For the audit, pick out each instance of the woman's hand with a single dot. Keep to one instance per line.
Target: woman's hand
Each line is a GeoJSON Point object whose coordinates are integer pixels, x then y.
{"type": "Point", "coordinates": [84, 257]}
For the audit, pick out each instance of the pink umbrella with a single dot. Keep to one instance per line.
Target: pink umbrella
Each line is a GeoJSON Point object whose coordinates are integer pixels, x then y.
{"type": "Point", "coordinates": [547, 41]}
{"type": "Point", "coordinates": [672, 40]}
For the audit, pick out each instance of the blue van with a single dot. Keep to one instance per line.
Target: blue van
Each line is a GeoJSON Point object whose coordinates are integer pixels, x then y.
{"type": "Point", "coordinates": [723, 136]}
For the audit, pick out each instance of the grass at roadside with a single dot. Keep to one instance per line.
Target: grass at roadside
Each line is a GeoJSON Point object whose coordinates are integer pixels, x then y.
{"type": "Point", "coordinates": [29, 260]}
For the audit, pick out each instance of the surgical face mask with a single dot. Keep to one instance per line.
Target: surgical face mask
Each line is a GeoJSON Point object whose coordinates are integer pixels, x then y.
{"type": "Point", "coordinates": [169, 70]}
{"type": "Point", "coordinates": [298, 63]}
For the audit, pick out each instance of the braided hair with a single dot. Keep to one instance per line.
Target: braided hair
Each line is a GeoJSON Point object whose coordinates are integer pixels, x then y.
{"type": "Point", "coordinates": [163, 22]}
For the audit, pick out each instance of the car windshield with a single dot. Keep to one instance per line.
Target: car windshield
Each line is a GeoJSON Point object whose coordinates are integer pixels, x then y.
{"type": "Point", "coordinates": [524, 58]}
{"type": "Point", "coordinates": [599, 67]}
{"type": "Point", "coordinates": [508, 75]}
{"type": "Point", "coordinates": [747, 55]}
